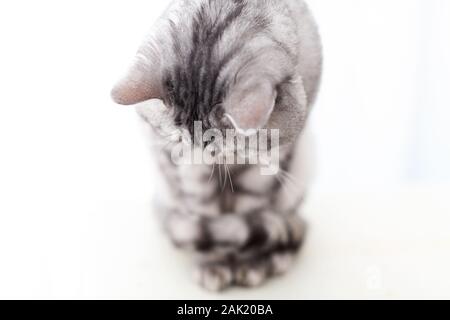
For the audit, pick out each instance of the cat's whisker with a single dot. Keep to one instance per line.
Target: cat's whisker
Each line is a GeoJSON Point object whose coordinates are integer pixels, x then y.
{"type": "Point", "coordinates": [165, 144]}
{"type": "Point", "coordinates": [169, 134]}
{"type": "Point", "coordinates": [289, 177]}
{"type": "Point", "coordinates": [231, 180]}
{"type": "Point", "coordinates": [212, 173]}
{"type": "Point", "coordinates": [288, 187]}
{"type": "Point", "coordinates": [288, 181]}
{"type": "Point", "coordinates": [282, 184]}
{"type": "Point", "coordinates": [220, 174]}
{"type": "Point", "coordinates": [224, 184]}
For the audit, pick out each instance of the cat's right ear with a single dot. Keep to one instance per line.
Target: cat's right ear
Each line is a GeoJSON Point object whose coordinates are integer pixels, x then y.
{"type": "Point", "coordinates": [140, 83]}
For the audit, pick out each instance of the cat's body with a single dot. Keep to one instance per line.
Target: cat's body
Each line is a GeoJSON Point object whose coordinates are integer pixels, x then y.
{"type": "Point", "coordinates": [242, 64]}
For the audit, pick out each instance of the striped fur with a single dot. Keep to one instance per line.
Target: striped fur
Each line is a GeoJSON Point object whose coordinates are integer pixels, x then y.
{"type": "Point", "coordinates": [243, 226]}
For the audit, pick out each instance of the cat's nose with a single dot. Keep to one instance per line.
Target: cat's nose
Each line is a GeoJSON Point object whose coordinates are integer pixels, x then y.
{"type": "Point", "coordinates": [210, 146]}
{"type": "Point", "coordinates": [213, 147]}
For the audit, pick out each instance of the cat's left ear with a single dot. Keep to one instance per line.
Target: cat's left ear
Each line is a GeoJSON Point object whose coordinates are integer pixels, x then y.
{"type": "Point", "coordinates": [250, 106]}
{"type": "Point", "coordinates": [140, 83]}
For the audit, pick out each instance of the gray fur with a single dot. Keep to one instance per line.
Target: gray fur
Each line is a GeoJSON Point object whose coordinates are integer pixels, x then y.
{"type": "Point", "coordinates": [258, 61]}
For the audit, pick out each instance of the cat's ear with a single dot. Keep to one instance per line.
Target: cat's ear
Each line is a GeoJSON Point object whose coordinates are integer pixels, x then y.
{"type": "Point", "coordinates": [140, 83]}
{"type": "Point", "coordinates": [250, 106]}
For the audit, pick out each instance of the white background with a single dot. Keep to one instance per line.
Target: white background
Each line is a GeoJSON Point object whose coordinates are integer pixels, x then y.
{"type": "Point", "coordinates": [76, 179]}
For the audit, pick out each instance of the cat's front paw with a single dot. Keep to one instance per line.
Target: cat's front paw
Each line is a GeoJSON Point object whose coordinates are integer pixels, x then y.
{"type": "Point", "coordinates": [250, 276]}
{"type": "Point", "coordinates": [257, 272]}
{"type": "Point", "coordinates": [252, 273]}
{"type": "Point", "coordinates": [214, 277]}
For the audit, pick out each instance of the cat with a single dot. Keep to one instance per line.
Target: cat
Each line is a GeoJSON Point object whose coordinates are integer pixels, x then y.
{"type": "Point", "coordinates": [242, 65]}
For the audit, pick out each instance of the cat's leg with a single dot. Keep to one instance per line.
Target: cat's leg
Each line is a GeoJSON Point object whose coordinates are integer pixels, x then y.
{"type": "Point", "coordinates": [250, 272]}
{"type": "Point", "coordinates": [260, 206]}
{"type": "Point", "coordinates": [216, 237]}
{"type": "Point", "coordinates": [239, 250]}
{"type": "Point", "coordinates": [211, 237]}
{"type": "Point", "coordinates": [268, 249]}
{"type": "Point", "coordinates": [218, 276]}
{"type": "Point", "coordinates": [253, 271]}
{"type": "Point", "coordinates": [286, 195]}
{"type": "Point", "coordinates": [255, 242]}
{"type": "Point", "coordinates": [197, 198]}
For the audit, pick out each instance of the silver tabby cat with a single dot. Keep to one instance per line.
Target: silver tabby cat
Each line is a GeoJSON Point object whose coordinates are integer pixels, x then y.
{"type": "Point", "coordinates": [231, 64]}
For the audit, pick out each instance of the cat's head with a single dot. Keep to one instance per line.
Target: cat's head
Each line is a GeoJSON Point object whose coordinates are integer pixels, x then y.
{"type": "Point", "coordinates": [224, 76]}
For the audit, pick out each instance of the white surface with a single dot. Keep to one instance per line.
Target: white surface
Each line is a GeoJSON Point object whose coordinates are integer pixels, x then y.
{"type": "Point", "coordinates": [76, 180]}
{"type": "Point", "coordinates": [387, 245]}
